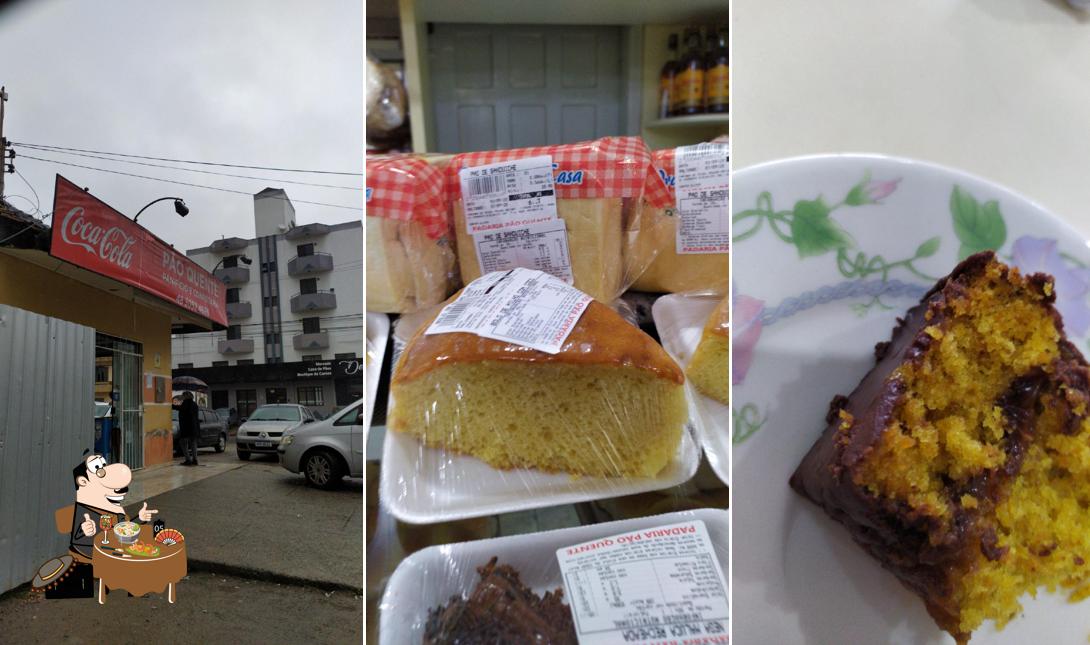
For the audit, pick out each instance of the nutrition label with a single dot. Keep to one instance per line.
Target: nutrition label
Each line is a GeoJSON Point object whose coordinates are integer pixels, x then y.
{"type": "Point", "coordinates": [508, 194]}
{"type": "Point", "coordinates": [521, 306]}
{"type": "Point", "coordinates": [540, 246]}
{"type": "Point", "coordinates": [702, 186]}
{"type": "Point", "coordinates": [647, 587]}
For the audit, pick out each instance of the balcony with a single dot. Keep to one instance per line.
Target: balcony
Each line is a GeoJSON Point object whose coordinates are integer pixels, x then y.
{"type": "Point", "coordinates": [233, 275]}
{"type": "Point", "coordinates": [304, 342]}
{"type": "Point", "coordinates": [228, 245]}
{"type": "Point", "coordinates": [307, 302]}
{"type": "Point", "coordinates": [306, 231]}
{"type": "Point", "coordinates": [304, 265]}
{"type": "Point", "coordinates": [236, 346]}
{"type": "Point", "coordinates": [239, 310]}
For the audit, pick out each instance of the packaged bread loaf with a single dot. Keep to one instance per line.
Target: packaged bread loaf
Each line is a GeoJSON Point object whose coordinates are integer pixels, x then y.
{"type": "Point", "coordinates": [559, 209]}
{"type": "Point", "coordinates": [654, 244]}
{"type": "Point", "coordinates": [410, 256]}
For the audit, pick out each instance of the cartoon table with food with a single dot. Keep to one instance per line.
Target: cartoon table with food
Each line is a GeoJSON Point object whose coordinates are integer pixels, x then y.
{"type": "Point", "coordinates": [133, 557]}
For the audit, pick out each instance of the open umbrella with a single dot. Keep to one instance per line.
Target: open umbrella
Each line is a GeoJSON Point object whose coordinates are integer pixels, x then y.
{"type": "Point", "coordinates": [191, 383]}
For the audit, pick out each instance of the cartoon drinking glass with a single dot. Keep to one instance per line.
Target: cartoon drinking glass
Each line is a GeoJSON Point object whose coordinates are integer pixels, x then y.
{"type": "Point", "coordinates": [106, 522]}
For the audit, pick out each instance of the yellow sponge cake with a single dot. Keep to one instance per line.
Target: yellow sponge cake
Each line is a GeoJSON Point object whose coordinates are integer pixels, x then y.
{"type": "Point", "coordinates": [709, 368]}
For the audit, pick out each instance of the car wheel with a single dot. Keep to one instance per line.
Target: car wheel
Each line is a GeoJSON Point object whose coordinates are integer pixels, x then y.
{"type": "Point", "coordinates": [322, 469]}
{"type": "Point", "coordinates": [244, 455]}
{"type": "Point", "coordinates": [221, 445]}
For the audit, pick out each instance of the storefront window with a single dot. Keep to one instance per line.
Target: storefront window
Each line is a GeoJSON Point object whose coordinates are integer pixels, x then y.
{"type": "Point", "coordinates": [276, 395]}
{"type": "Point", "coordinates": [246, 402]}
{"type": "Point", "coordinates": [310, 395]}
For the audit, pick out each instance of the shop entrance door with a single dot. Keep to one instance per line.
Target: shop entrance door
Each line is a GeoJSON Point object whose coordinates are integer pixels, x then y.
{"type": "Point", "coordinates": [276, 395]}
{"type": "Point", "coordinates": [128, 397]}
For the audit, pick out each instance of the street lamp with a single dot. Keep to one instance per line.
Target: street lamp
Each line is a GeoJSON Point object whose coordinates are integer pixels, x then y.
{"type": "Point", "coordinates": [179, 207]}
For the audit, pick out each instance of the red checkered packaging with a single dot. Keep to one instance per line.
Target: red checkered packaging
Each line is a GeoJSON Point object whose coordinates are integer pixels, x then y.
{"type": "Point", "coordinates": [565, 209]}
{"type": "Point", "coordinates": [410, 255]}
{"type": "Point", "coordinates": [655, 246]}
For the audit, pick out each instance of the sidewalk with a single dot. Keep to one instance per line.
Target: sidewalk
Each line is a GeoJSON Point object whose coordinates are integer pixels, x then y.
{"type": "Point", "coordinates": [159, 479]}
{"type": "Point", "coordinates": [260, 521]}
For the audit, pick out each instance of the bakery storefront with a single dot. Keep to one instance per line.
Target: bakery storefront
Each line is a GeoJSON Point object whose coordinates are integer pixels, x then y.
{"type": "Point", "coordinates": [98, 269]}
{"type": "Point", "coordinates": [324, 386]}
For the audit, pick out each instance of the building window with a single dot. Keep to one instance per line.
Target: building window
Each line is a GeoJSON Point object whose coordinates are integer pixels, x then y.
{"type": "Point", "coordinates": [246, 402]}
{"type": "Point", "coordinates": [312, 325]}
{"type": "Point", "coordinates": [102, 373]}
{"type": "Point", "coordinates": [268, 267]}
{"type": "Point", "coordinates": [271, 301]}
{"type": "Point", "coordinates": [245, 361]}
{"type": "Point", "coordinates": [183, 366]}
{"type": "Point", "coordinates": [345, 355]}
{"type": "Point", "coordinates": [230, 262]}
{"type": "Point", "coordinates": [312, 357]}
{"type": "Point", "coordinates": [276, 395]}
{"type": "Point", "coordinates": [308, 285]}
{"type": "Point", "coordinates": [272, 339]}
{"type": "Point", "coordinates": [305, 249]}
{"type": "Point", "coordinates": [309, 395]}
{"type": "Point", "coordinates": [220, 399]}
{"type": "Point", "coordinates": [234, 332]}
{"type": "Point", "coordinates": [232, 295]}
{"type": "Point", "coordinates": [219, 363]}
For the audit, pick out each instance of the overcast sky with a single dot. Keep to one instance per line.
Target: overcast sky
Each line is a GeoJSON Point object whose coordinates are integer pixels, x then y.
{"type": "Point", "coordinates": [251, 82]}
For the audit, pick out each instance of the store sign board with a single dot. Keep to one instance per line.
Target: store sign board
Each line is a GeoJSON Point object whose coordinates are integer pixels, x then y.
{"type": "Point", "coordinates": [90, 234]}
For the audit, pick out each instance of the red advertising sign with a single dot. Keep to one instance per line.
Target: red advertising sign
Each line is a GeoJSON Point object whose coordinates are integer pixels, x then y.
{"type": "Point", "coordinates": [90, 234]}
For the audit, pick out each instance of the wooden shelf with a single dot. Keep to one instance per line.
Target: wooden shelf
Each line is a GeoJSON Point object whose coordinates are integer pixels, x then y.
{"type": "Point", "coordinates": [691, 121]}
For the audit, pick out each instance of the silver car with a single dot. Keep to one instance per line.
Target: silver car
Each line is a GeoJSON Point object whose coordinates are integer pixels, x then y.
{"type": "Point", "coordinates": [263, 429]}
{"type": "Point", "coordinates": [328, 450]}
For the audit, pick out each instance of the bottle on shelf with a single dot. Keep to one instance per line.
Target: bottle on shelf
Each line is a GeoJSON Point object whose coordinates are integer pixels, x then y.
{"type": "Point", "coordinates": [717, 76]}
{"type": "Point", "coordinates": [689, 82]}
{"type": "Point", "coordinates": [666, 79]}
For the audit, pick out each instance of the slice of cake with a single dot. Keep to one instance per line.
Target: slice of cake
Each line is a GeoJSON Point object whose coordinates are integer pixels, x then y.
{"type": "Point", "coordinates": [709, 369]}
{"type": "Point", "coordinates": [501, 610]}
{"type": "Point", "coordinates": [961, 462]}
{"type": "Point", "coordinates": [611, 403]}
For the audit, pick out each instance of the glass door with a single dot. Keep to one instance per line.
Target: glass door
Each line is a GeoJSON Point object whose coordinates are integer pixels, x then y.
{"type": "Point", "coordinates": [128, 371]}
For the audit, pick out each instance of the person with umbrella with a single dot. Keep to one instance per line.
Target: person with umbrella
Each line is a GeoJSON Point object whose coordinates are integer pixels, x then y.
{"type": "Point", "coordinates": [189, 426]}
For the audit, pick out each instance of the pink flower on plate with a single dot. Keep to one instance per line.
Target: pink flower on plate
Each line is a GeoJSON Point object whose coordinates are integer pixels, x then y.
{"type": "Point", "coordinates": [746, 324]}
{"type": "Point", "coordinates": [1038, 255]}
{"type": "Point", "coordinates": [879, 190]}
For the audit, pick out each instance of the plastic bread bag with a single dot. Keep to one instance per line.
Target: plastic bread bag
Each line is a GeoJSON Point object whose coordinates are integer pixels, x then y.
{"type": "Point", "coordinates": [554, 586]}
{"type": "Point", "coordinates": [694, 328]}
{"type": "Point", "coordinates": [565, 209]}
{"type": "Point", "coordinates": [523, 392]}
{"type": "Point", "coordinates": [410, 255]}
{"type": "Point", "coordinates": [684, 258]}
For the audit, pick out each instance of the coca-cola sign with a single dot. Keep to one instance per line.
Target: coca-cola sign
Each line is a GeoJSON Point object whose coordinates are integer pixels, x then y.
{"type": "Point", "coordinates": [89, 233]}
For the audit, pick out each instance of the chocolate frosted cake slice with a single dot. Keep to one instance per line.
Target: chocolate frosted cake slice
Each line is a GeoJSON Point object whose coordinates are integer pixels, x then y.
{"type": "Point", "coordinates": [501, 611]}
{"type": "Point", "coordinates": [961, 462]}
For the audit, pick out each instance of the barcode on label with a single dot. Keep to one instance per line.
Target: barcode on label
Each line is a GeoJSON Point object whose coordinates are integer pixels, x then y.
{"type": "Point", "coordinates": [485, 185]}
{"type": "Point", "coordinates": [451, 312]}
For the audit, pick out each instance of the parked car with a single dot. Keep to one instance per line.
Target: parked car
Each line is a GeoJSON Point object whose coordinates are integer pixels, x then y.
{"type": "Point", "coordinates": [229, 415]}
{"type": "Point", "coordinates": [213, 431]}
{"type": "Point", "coordinates": [328, 450]}
{"type": "Point", "coordinates": [262, 431]}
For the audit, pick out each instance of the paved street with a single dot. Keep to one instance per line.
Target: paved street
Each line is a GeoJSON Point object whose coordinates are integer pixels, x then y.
{"type": "Point", "coordinates": [271, 560]}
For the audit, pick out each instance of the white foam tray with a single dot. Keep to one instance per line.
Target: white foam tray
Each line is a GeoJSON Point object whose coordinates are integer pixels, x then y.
{"type": "Point", "coordinates": [378, 331]}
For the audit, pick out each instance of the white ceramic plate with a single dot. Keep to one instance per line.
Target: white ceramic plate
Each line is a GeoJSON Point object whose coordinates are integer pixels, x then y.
{"type": "Point", "coordinates": [429, 577]}
{"type": "Point", "coordinates": [378, 331]}
{"type": "Point", "coordinates": [422, 485]}
{"type": "Point", "coordinates": [817, 284]}
{"type": "Point", "coordinates": [680, 321]}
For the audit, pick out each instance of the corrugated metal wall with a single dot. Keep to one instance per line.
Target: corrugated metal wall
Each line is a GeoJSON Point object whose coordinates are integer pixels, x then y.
{"type": "Point", "coordinates": [47, 391]}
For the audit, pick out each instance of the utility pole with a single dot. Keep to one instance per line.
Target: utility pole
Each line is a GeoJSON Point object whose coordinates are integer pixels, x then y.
{"type": "Point", "coordinates": [3, 141]}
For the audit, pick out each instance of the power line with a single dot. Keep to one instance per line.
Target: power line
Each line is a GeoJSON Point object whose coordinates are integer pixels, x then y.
{"type": "Point", "coordinates": [201, 163]}
{"type": "Point", "coordinates": [203, 172]}
{"type": "Point", "coordinates": [37, 200]}
{"type": "Point", "coordinates": [184, 183]}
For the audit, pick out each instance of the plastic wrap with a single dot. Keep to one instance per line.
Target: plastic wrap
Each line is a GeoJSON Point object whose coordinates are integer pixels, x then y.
{"type": "Point", "coordinates": [477, 426]}
{"type": "Point", "coordinates": [431, 582]}
{"type": "Point", "coordinates": [410, 255]}
{"type": "Point", "coordinates": [654, 246]}
{"type": "Point", "coordinates": [694, 330]}
{"type": "Point", "coordinates": [600, 188]}
{"type": "Point", "coordinates": [378, 332]}
{"type": "Point", "coordinates": [385, 100]}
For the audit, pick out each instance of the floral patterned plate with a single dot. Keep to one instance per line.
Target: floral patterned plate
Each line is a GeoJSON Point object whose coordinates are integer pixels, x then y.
{"type": "Point", "coordinates": [828, 252]}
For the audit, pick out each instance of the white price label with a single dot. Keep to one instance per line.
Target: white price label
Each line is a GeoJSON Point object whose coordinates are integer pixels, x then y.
{"type": "Point", "coordinates": [508, 194]}
{"type": "Point", "coordinates": [647, 587]}
{"type": "Point", "coordinates": [701, 186]}
{"type": "Point", "coordinates": [540, 246]}
{"type": "Point", "coordinates": [521, 306]}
